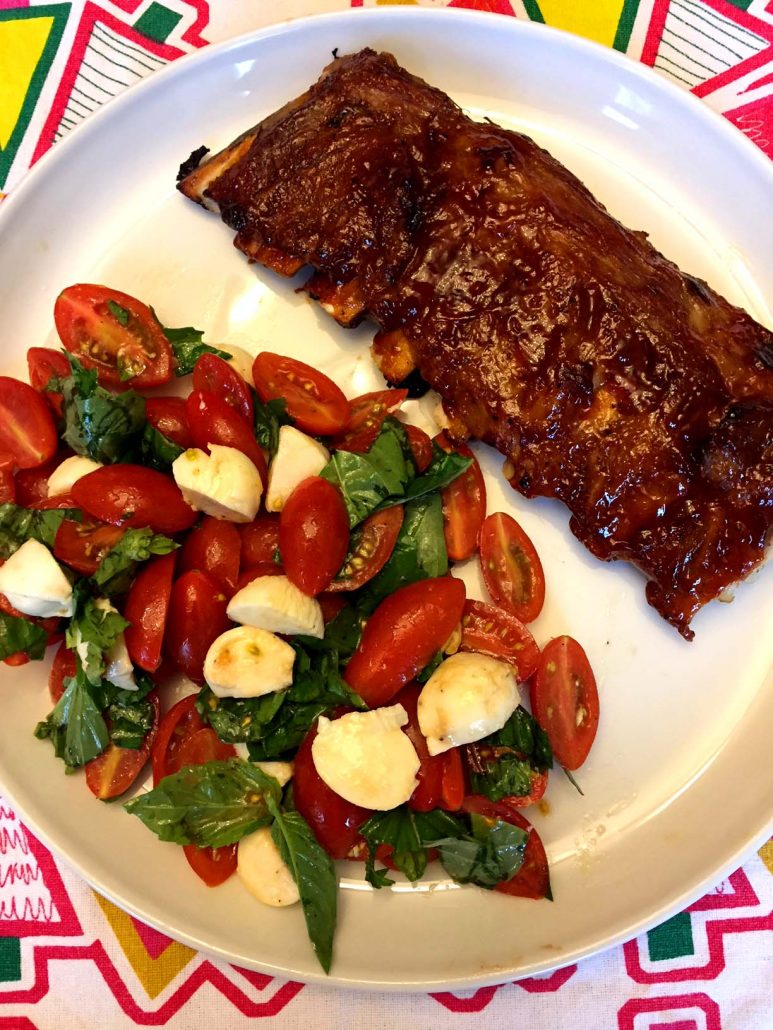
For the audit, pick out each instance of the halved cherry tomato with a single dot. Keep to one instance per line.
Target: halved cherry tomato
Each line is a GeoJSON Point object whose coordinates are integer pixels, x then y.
{"type": "Point", "coordinates": [214, 546]}
{"type": "Point", "coordinates": [511, 567]}
{"type": "Point", "coordinates": [260, 539]}
{"type": "Point", "coordinates": [146, 608]}
{"type": "Point", "coordinates": [565, 700]}
{"type": "Point", "coordinates": [114, 333]}
{"type": "Point", "coordinates": [314, 402]}
{"type": "Point", "coordinates": [27, 430]}
{"type": "Point", "coordinates": [7, 481]}
{"type": "Point", "coordinates": [478, 758]}
{"type": "Point", "coordinates": [214, 375]}
{"type": "Point", "coordinates": [63, 667]}
{"type": "Point", "coordinates": [169, 416]}
{"type": "Point", "coordinates": [402, 635]}
{"type": "Point", "coordinates": [212, 420]}
{"type": "Point", "coordinates": [196, 617]}
{"type": "Point", "coordinates": [180, 722]}
{"type": "Point", "coordinates": [313, 534]}
{"type": "Point", "coordinates": [493, 631]}
{"type": "Point", "coordinates": [83, 545]}
{"type": "Point", "coordinates": [331, 605]}
{"type": "Point", "coordinates": [115, 770]}
{"type": "Point", "coordinates": [203, 746]}
{"type": "Point", "coordinates": [334, 821]}
{"type": "Point", "coordinates": [32, 484]}
{"type": "Point", "coordinates": [132, 495]}
{"type": "Point", "coordinates": [212, 865]}
{"type": "Point", "coordinates": [50, 626]}
{"type": "Point", "coordinates": [45, 364]}
{"type": "Point", "coordinates": [57, 502]}
{"type": "Point", "coordinates": [464, 505]}
{"type": "Point", "coordinates": [367, 416]}
{"type": "Point", "coordinates": [421, 446]}
{"type": "Point", "coordinates": [533, 878]}
{"type": "Point", "coordinates": [371, 546]}
{"type": "Point", "coordinates": [263, 568]}
{"type": "Point", "coordinates": [441, 777]}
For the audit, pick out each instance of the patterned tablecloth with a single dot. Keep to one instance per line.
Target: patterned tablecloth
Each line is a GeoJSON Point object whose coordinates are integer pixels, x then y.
{"type": "Point", "coordinates": [68, 958]}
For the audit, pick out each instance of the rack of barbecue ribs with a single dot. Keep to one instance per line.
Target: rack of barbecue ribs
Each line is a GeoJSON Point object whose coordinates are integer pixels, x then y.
{"type": "Point", "coordinates": [606, 376]}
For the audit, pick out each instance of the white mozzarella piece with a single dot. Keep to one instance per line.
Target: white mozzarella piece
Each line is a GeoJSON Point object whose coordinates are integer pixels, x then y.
{"type": "Point", "coordinates": [248, 662]}
{"type": "Point", "coordinates": [64, 476]}
{"type": "Point", "coordinates": [282, 772]}
{"type": "Point", "coordinates": [276, 604]}
{"type": "Point", "coordinates": [297, 457]}
{"type": "Point", "coordinates": [223, 483]}
{"type": "Point", "coordinates": [33, 582]}
{"type": "Point", "coordinates": [366, 758]}
{"type": "Point", "coordinates": [118, 665]}
{"type": "Point", "coordinates": [466, 698]}
{"type": "Point", "coordinates": [263, 872]}
{"type": "Point", "coordinates": [240, 360]}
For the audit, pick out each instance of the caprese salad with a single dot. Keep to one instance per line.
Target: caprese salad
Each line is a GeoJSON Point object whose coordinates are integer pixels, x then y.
{"type": "Point", "coordinates": [289, 551]}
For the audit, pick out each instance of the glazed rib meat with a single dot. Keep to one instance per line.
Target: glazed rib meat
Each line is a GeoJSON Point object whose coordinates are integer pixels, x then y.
{"type": "Point", "coordinates": [606, 376]}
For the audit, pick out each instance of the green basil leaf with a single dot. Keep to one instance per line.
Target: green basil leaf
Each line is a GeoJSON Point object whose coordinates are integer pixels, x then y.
{"type": "Point", "coordinates": [506, 763]}
{"type": "Point", "coordinates": [157, 450]}
{"type": "Point", "coordinates": [268, 419]}
{"type": "Point", "coordinates": [409, 833]}
{"type": "Point", "coordinates": [491, 854]}
{"type": "Point", "coordinates": [17, 525]}
{"type": "Point", "coordinates": [342, 634]}
{"type": "Point", "coordinates": [75, 726]}
{"type": "Point", "coordinates": [443, 469]}
{"type": "Point", "coordinates": [314, 873]}
{"type": "Point", "coordinates": [129, 722]}
{"type": "Point", "coordinates": [238, 720]}
{"type": "Point", "coordinates": [188, 346]}
{"type": "Point", "coordinates": [18, 634]}
{"type": "Point", "coordinates": [121, 315]}
{"type": "Point", "coordinates": [116, 570]}
{"type": "Point", "coordinates": [428, 669]}
{"type": "Point", "coordinates": [100, 425]}
{"type": "Point", "coordinates": [91, 633]}
{"type": "Point", "coordinates": [208, 805]}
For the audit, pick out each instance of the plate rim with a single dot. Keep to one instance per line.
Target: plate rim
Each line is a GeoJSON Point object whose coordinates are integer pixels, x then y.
{"type": "Point", "coordinates": [695, 108]}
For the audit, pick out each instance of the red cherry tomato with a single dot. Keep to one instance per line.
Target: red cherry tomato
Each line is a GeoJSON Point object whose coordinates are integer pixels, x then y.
{"type": "Point", "coordinates": [421, 446]}
{"type": "Point", "coordinates": [32, 484]}
{"type": "Point", "coordinates": [493, 631]}
{"type": "Point", "coordinates": [477, 759]}
{"type": "Point", "coordinates": [114, 333]}
{"type": "Point", "coordinates": [314, 402]}
{"type": "Point", "coordinates": [313, 535]}
{"type": "Point", "coordinates": [169, 416]}
{"type": "Point", "coordinates": [7, 481]}
{"type": "Point", "coordinates": [214, 375]}
{"type": "Point", "coordinates": [214, 546]}
{"type": "Point", "coordinates": [511, 567]}
{"type": "Point", "coordinates": [57, 502]}
{"type": "Point", "coordinates": [196, 617]}
{"type": "Point", "coordinates": [331, 605]}
{"type": "Point", "coordinates": [367, 416]}
{"type": "Point", "coordinates": [45, 364]}
{"type": "Point", "coordinates": [27, 430]}
{"type": "Point", "coordinates": [146, 608]}
{"type": "Point", "coordinates": [371, 545]}
{"type": "Point", "coordinates": [115, 770]}
{"type": "Point", "coordinates": [260, 539]}
{"type": "Point", "coordinates": [464, 505]}
{"type": "Point", "coordinates": [441, 777]}
{"type": "Point", "coordinates": [204, 746]}
{"type": "Point", "coordinates": [402, 635]}
{"type": "Point", "coordinates": [263, 568]}
{"type": "Point", "coordinates": [334, 821]}
{"type": "Point", "coordinates": [213, 420]}
{"type": "Point", "coordinates": [63, 667]}
{"type": "Point", "coordinates": [50, 626]}
{"type": "Point", "coordinates": [212, 865]}
{"type": "Point", "coordinates": [533, 878]}
{"type": "Point", "coordinates": [83, 545]}
{"type": "Point", "coordinates": [131, 495]}
{"type": "Point", "coordinates": [565, 700]}
{"type": "Point", "coordinates": [180, 722]}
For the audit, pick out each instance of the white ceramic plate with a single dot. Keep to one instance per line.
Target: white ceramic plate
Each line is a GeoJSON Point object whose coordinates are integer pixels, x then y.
{"type": "Point", "coordinates": [679, 786]}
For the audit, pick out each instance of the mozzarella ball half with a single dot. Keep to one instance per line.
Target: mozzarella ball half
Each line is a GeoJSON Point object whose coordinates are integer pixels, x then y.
{"type": "Point", "coordinates": [248, 662]}
{"type": "Point", "coordinates": [263, 872]}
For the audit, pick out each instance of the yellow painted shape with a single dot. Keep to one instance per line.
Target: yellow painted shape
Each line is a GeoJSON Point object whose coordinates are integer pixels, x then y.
{"type": "Point", "coordinates": [389, 3]}
{"type": "Point", "coordinates": [766, 854]}
{"type": "Point", "coordinates": [596, 20]}
{"type": "Point", "coordinates": [22, 41]}
{"type": "Point", "coordinates": [154, 974]}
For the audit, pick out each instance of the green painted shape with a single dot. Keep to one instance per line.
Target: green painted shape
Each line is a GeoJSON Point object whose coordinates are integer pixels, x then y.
{"type": "Point", "coordinates": [157, 22]}
{"type": "Point", "coordinates": [671, 939]}
{"type": "Point", "coordinates": [533, 11]}
{"type": "Point", "coordinates": [625, 25]}
{"type": "Point", "coordinates": [60, 13]}
{"type": "Point", "coordinates": [10, 959]}
{"type": "Point", "coordinates": [742, 5]}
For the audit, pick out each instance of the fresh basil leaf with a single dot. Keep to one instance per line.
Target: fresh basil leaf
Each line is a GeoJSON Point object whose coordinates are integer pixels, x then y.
{"type": "Point", "coordinates": [188, 346]}
{"type": "Point", "coordinates": [428, 669]}
{"type": "Point", "coordinates": [342, 634]}
{"type": "Point", "coordinates": [17, 525]}
{"type": "Point", "coordinates": [367, 480]}
{"type": "Point", "coordinates": [491, 854]}
{"type": "Point", "coordinates": [505, 763]}
{"type": "Point", "coordinates": [157, 450]}
{"type": "Point", "coordinates": [106, 693]}
{"type": "Point", "coordinates": [238, 720]}
{"type": "Point", "coordinates": [443, 469]}
{"type": "Point", "coordinates": [208, 805]}
{"type": "Point", "coordinates": [316, 677]}
{"type": "Point", "coordinates": [100, 425]}
{"type": "Point", "coordinates": [121, 315]}
{"type": "Point", "coordinates": [129, 722]}
{"type": "Point", "coordinates": [284, 734]}
{"type": "Point", "coordinates": [92, 632]}
{"type": "Point", "coordinates": [75, 726]}
{"type": "Point", "coordinates": [314, 873]}
{"type": "Point", "coordinates": [116, 570]}
{"type": "Point", "coordinates": [420, 552]}
{"type": "Point", "coordinates": [409, 833]}
{"type": "Point", "coordinates": [268, 419]}
{"type": "Point", "coordinates": [18, 634]}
